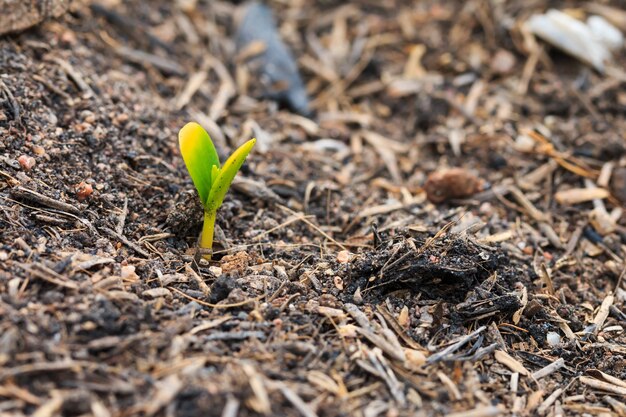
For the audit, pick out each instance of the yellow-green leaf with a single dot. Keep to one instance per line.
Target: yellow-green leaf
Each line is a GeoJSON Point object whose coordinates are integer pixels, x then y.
{"type": "Point", "coordinates": [226, 175]}
{"type": "Point", "coordinates": [200, 157]}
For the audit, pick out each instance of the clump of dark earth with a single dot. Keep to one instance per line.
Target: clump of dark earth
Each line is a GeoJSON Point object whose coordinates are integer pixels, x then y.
{"type": "Point", "coordinates": [221, 288]}
{"type": "Point", "coordinates": [444, 269]}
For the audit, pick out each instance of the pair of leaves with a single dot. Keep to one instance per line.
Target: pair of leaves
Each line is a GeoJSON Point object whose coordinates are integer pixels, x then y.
{"type": "Point", "coordinates": [203, 164]}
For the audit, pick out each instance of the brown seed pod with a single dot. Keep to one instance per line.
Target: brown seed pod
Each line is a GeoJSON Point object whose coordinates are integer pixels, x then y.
{"type": "Point", "coordinates": [452, 183]}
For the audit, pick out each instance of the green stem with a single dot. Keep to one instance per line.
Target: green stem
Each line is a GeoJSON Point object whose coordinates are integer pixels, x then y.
{"type": "Point", "coordinates": [206, 239]}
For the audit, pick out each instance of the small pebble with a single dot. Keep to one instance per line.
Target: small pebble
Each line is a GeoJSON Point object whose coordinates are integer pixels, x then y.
{"type": "Point", "coordinates": [128, 274]}
{"type": "Point", "coordinates": [344, 256]}
{"type": "Point", "coordinates": [215, 270]}
{"type": "Point", "coordinates": [503, 62]}
{"type": "Point", "coordinates": [83, 191]}
{"type": "Point", "coordinates": [26, 162]}
{"type": "Point", "coordinates": [338, 283]}
{"type": "Point", "coordinates": [120, 119]}
{"type": "Point", "coordinates": [13, 287]}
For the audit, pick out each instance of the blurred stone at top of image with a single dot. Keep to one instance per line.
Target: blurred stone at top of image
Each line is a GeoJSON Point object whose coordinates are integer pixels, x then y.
{"type": "Point", "coordinates": [259, 45]}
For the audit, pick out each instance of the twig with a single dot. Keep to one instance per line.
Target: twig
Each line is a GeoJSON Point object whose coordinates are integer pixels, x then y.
{"type": "Point", "coordinates": [547, 370]}
{"type": "Point", "coordinates": [618, 406]}
{"type": "Point", "coordinates": [119, 228]}
{"type": "Point", "coordinates": [204, 303]}
{"type": "Point", "coordinates": [603, 313]}
{"type": "Point", "coordinates": [194, 83]}
{"type": "Point", "coordinates": [13, 103]}
{"type": "Point", "coordinates": [510, 362]}
{"type": "Point", "coordinates": [451, 386]}
{"type": "Point", "coordinates": [48, 275]}
{"type": "Point", "coordinates": [489, 411]}
{"type": "Point", "coordinates": [377, 365]}
{"type": "Point", "coordinates": [455, 346]}
{"type": "Point", "coordinates": [147, 59]}
{"type": "Point", "coordinates": [34, 196]}
{"type": "Point", "coordinates": [549, 401]}
{"type": "Point", "coordinates": [296, 401]}
{"type": "Point", "coordinates": [603, 386]}
{"type": "Point", "coordinates": [53, 88]}
{"type": "Point", "coordinates": [231, 408]}
{"type": "Point", "coordinates": [75, 76]}
{"type": "Point", "coordinates": [113, 234]}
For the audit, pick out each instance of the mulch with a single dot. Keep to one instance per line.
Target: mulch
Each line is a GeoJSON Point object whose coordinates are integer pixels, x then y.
{"type": "Point", "coordinates": [442, 235]}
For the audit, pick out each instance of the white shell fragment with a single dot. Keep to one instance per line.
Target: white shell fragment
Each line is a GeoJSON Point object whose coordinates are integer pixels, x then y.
{"type": "Point", "coordinates": [606, 33]}
{"type": "Point", "coordinates": [553, 339]}
{"type": "Point", "coordinates": [590, 42]}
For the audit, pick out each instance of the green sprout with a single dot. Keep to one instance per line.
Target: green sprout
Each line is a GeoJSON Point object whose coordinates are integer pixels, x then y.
{"type": "Point", "coordinates": [211, 181]}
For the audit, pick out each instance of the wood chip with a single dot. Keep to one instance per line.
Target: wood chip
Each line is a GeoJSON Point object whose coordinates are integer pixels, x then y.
{"type": "Point", "coordinates": [547, 370]}
{"type": "Point", "coordinates": [580, 195]}
{"type": "Point", "coordinates": [549, 401]}
{"type": "Point", "coordinates": [603, 386]}
{"type": "Point", "coordinates": [157, 292]}
{"type": "Point", "coordinates": [488, 411]}
{"type": "Point", "coordinates": [510, 362]}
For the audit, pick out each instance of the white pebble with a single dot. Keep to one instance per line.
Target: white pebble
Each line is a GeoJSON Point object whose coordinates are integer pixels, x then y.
{"type": "Point", "coordinates": [553, 338]}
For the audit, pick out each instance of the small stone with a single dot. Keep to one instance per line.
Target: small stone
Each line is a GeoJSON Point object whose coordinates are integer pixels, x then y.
{"type": "Point", "coordinates": [503, 62]}
{"type": "Point", "coordinates": [68, 37]}
{"type": "Point", "coordinates": [414, 359]}
{"type": "Point", "coordinates": [524, 143]}
{"type": "Point", "coordinates": [128, 274]}
{"type": "Point", "coordinates": [338, 283]}
{"type": "Point", "coordinates": [14, 287]}
{"type": "Point", "coordinates": [344, 257]}
{"type": "Point", "coordinates": [83, 191]}
{"type": "Point", "coordinates": [553, 339]}
{"type": "Point", "coordinates": [215, 270]}
{"type": "Point", "coordinates": [26, 162]}
{"type": "Point", "coordinates": [120, 119]}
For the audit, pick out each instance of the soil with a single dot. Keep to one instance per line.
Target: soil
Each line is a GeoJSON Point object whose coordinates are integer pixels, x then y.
{"type": "Point", "coordinates": [336, 286]}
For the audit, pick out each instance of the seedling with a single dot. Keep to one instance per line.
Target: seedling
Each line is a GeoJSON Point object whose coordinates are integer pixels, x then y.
{"type": "Point", "coordinates": [211, 181]}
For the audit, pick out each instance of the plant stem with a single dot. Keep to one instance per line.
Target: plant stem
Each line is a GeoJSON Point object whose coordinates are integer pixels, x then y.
{"type": "Point", "coordinates": [206, 239]}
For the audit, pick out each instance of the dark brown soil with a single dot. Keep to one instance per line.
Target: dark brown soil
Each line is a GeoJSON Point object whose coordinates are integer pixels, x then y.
{"type": "Point", "coordinates": [336, 287]}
